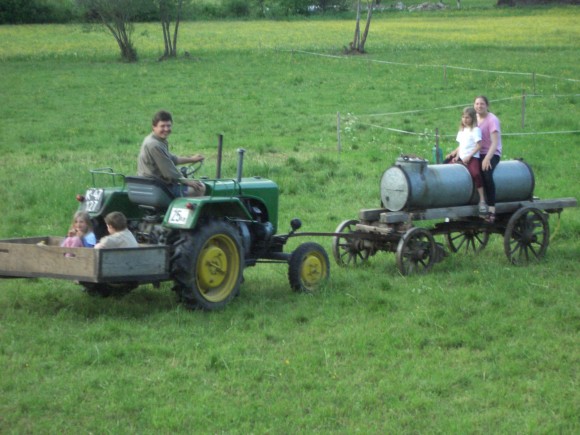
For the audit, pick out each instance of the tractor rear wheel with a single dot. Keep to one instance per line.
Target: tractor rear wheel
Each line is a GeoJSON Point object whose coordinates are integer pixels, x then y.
{"type": "Point", "coordinates": [308, 267]}
{"type": "Point", "coordinates": [208, 266]}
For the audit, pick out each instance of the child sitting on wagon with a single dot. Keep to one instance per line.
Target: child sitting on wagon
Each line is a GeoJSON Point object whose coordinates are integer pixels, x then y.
{"type": "Point", "coordinates": [467, 153]}
{"type": "Point", "coordinates": [119, 235]}
{"type": "Point", "coordinates": [80, 233]}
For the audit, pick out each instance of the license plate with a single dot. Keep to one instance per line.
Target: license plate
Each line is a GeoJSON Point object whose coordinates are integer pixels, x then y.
{"type": "Point", "coordinates": [93, 200]}
{"type": "Point", "coordinates": [178, 216]}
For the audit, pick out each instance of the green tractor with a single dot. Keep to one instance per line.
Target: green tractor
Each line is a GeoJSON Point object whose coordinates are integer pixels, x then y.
{"type": "Point", "coordinates": [209, 240]}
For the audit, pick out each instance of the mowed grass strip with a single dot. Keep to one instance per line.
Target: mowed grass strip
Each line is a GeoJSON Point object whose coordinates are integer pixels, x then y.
{"type": "Point", "coordinates": [510, 28]}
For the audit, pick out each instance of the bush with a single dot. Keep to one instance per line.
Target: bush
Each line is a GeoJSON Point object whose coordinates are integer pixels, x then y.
{"type": "Point", "coordinates": [62, 11]}
{"type": "Point", "coordinates": [236, 8]}
{"type": "Point", "coordinates": [37, 11]}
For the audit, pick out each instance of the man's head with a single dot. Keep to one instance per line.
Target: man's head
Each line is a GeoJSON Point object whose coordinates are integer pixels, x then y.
{"type": "Point", "coordinates": [162, 123]}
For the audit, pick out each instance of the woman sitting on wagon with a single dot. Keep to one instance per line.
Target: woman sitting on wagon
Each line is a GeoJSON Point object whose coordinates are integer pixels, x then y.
{"type": "Point", "coordinates": [491, 149]}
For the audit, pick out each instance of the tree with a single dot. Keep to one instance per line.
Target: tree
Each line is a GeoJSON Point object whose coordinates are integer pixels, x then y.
{"type": "Point", "coordinates": [118, 17]}
{"type": "Point", "coordinates": [358, 43]}
{"type": "Point", "coordinates": [168, 10]}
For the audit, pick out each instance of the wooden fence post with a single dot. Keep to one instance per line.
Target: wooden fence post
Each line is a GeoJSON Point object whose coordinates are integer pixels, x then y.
{"type": "Point", "coordinates": [523, 107]}
{"type": "Point", "coordinates": [338, 144]}
{"type": "Point", "coordinates": [438, 153]}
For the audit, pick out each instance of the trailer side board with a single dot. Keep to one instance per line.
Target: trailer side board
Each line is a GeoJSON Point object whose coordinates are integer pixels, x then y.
{"type": "Point", "coordinates": [44, 257]}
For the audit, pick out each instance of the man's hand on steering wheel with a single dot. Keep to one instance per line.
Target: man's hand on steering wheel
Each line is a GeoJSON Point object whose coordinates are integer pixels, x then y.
{"type": "Point", "coordinates": [192, 168]}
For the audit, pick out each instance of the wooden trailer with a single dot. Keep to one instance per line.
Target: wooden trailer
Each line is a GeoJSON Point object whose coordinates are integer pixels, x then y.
{"type": "Point", "coordinates": [43, 257]}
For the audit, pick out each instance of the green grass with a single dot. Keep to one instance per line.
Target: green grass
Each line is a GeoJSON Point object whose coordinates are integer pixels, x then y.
{"type": "Point", "coordinates": [476, 346]}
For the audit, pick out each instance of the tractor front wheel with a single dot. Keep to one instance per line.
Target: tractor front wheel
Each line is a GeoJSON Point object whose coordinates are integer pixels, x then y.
{"type": "Point", "coordinates": [308, 267]}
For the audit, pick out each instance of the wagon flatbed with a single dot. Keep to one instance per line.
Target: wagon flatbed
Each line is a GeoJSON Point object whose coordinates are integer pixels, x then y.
{"type": "Point", "coordinates": [392, 217]}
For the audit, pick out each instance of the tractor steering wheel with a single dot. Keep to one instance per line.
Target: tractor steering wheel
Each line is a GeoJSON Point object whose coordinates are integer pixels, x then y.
{"type": "Point", "coordinates": [189, 170]}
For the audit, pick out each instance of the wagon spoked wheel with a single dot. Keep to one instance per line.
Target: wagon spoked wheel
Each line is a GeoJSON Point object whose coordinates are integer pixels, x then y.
{"type": "Point", "coordinates": [466, 241]}
{"type": "Point", "coordinates": [348, 251]}
{"type": "Point", "coordinates": [416, 251]}
{"type": "Point", "coordinates": [527, 236]}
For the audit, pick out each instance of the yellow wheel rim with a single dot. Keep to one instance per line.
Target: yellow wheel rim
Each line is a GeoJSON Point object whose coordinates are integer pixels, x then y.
{"type": "Point", "coordinates": [313, 269]}
{"type": "Point", "coordinates": [218, 268]}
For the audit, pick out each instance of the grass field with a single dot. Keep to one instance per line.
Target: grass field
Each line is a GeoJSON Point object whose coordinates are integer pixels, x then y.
{"type": "Point", "coordinates": [475, 346]}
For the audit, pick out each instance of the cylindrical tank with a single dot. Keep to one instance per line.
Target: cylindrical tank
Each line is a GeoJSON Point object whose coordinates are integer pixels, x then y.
{"type": "Point", "coordinates": [514, 181]}
{"type": "Point", "coordinates": [413, 184]}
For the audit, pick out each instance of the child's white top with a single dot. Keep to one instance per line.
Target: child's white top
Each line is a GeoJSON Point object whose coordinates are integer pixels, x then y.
{"type": "Point", "coordinates": [468, 139]}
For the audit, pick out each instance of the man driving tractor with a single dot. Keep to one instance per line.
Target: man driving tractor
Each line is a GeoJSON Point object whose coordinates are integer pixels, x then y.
{"type": "Point", "coordinates": [156, 161]}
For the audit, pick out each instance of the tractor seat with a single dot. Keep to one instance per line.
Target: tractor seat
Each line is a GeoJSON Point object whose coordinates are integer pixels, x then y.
{"type": "Point", "coordinates": [148, 192]}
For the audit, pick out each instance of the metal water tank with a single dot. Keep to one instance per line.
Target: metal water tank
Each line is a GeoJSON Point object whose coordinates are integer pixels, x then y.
{"type": "Point", "coordinates": [413, 184]}
{"type": "Point", "coordinates": [514, 181]}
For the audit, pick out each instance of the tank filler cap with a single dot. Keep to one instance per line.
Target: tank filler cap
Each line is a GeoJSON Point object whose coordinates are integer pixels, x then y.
{"type": "Point", "coordinates": [412, 163]}
{"type": "Point", "coordinates": [411, 158]}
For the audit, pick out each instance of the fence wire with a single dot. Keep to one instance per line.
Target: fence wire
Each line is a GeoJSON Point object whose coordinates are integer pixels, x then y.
{"type": "Point", "coordinates": [455, 106]}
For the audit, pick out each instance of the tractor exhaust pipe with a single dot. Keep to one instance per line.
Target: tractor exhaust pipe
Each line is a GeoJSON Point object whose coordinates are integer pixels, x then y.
{"type": "Point", "coordinates": [218, 173]}
{"type": "Point", "coordinates": [241, 152]}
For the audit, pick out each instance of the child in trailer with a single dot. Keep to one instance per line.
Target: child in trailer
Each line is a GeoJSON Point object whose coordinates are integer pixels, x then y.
{"type": "Point", "coordinates": [467, 153]}
{"type": "Point", "coordinates": [80, 233]}
{"type": "Point", "coordinates": [119, 235]}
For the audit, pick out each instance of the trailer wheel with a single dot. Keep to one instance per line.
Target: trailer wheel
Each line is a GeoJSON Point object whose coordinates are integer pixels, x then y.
{"type": "Point", "coordinates": [348, 251]}
{"type": "Point", "coordinates": [208, 267]}
{"type": "Point", "coordinates": [467, 240]}
{"type": "Point", "coordinates": [308, 267]}
{"type": "Point", "coordinates": [106, 290]}
{"type": "Point", "coordinates": [527, 236]}
{"type": "Point", "coordinates": [416, 251]}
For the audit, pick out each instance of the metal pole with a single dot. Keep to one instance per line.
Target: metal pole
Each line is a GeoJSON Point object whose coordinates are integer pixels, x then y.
{"type": "Point", "coordinates": [218, 173]}
{"type": "Point", "coordinates": [241, 152]}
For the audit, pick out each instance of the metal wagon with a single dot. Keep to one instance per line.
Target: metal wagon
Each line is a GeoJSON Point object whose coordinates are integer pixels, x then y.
{"type": "Point", "coordinates": [413, 191]}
